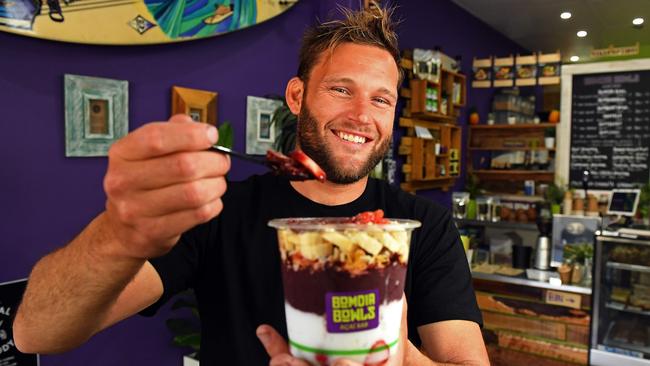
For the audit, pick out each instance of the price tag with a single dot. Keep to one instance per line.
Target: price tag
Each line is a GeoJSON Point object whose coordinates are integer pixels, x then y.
{"type": "Point", "coordinates": [563, 299]}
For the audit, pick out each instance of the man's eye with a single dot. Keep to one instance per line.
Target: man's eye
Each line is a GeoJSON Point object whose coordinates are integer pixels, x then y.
{"type": "Point", "coordinates": [382, 100]}
{"type": "Point", "coordinates": [340, 90]}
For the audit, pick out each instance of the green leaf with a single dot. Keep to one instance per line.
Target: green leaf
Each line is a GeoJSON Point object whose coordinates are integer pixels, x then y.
{"type": "Point", "coordinates": [181, 326]}
{"type": "Point", "coordinates": [190, 340]}
{"type": "Point", "coordinates": [225, 135]}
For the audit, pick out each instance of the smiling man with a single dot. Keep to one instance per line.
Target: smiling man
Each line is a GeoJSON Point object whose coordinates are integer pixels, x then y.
{"type": "Point", "coordinates": [170, 225]}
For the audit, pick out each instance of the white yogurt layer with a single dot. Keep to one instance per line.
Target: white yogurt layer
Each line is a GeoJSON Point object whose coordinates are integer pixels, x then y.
{"type": "Point", "coordinates": [310, 330]}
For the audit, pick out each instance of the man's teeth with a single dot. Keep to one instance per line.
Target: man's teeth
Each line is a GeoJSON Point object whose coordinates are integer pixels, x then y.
{"type": "Point", "coordinates": [352, 138]}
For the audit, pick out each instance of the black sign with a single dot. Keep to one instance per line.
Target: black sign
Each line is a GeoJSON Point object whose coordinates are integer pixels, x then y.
{"type": "Point", "coordinates": [610, 129]}
{"type": "Point", "coordinates": [10, 295]}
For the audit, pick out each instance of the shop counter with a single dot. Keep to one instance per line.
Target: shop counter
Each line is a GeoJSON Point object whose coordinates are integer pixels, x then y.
{"type": "Point", "coordinates": [529, 322]}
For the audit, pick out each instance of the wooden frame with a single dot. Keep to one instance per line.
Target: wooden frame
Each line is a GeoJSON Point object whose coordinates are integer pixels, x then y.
{"type": "Point", "coordinates": [200, 105]}
{"type": "Point", "coordinates": [563, 141]}
{"type": "Point", "coordinates": [96, 114]}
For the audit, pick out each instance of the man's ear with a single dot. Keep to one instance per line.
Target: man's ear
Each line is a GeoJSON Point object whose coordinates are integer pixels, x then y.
{"type": "Point", "coordinates": [294, 93]}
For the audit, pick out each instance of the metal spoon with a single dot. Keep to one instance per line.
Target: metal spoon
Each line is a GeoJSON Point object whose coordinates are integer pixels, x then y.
{"type": "Point", "coordinates": [296, 166]}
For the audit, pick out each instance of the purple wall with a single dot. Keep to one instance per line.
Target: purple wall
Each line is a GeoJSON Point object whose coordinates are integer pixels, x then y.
{"type": "Point", "coordinates": [46, 198]}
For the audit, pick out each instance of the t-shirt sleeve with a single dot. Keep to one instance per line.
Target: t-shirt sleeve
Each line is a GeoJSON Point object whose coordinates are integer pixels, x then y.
{"type": "Point", "coordinates": [442, 282]}
{"type": "Point", "coordinates": [178, 268]}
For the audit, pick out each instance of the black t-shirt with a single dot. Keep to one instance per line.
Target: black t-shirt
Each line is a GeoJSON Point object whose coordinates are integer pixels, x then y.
{"type": "Point", "coordinates": [233, 264]}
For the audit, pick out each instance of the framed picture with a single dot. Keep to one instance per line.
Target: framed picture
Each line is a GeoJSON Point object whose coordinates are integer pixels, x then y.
{"type": "Point", "coordinates": [200, 105]}
{"type": "Point", "coordinates": [260, 132]}
{"type": "Point", "coordinates": [96, 114]}
{"type": "Point", "coordinates": [571, 230]}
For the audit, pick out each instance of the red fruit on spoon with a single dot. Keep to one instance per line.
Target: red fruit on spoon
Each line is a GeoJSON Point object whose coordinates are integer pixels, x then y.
{"type": "Point", "coordinates": [311, 165]}
{"type": "Point", "coordinates": [296, 166]}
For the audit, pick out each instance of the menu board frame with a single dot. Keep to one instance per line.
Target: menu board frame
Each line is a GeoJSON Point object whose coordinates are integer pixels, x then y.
{"type": "Point", "coordinates": [563, 146]}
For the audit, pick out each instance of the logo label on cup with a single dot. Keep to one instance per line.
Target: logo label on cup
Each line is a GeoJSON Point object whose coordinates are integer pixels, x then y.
{"type": "Point", "coordinates": [352, 311]}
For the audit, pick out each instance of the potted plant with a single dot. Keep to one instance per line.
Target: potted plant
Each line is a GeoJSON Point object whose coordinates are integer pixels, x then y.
{"type": "Point", "coordinates": [187, 330]}
{"type": "Point", "coordinates": [472, 187]}
{"type": "Point", "coordinates": [225, 135]}
{"type": "Point", "coordinates": [554, 195]}
{"type": "Point", "coordinates": [579, 255]}
{"type": "Point", "coordinates": [549, 137]}
{"type": "Point", "coordinates": [286, 122]}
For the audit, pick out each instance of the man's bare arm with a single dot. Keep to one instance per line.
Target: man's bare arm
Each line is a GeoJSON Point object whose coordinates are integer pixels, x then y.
{"type": "Point", "coordinates": [160, 182]}
{"type": "Point", "coordinates": [450, 342]}
{"type": "Point", "coordinates": [73, 293]}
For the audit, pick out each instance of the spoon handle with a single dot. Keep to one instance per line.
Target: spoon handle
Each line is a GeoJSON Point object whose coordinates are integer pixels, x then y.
{"type": "Point", "coordinates": [237, 154]}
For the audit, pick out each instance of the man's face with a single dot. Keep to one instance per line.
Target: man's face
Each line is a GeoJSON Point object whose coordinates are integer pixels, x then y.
{"type": "Point", "coordinates": [347, 111]}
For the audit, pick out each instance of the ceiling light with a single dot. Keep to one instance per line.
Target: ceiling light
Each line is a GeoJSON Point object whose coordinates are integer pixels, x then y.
{"type": "Point", "coordinates": [565, 15]}
{"type": "Point", "coordinates": [637, 21]}
{"type": "Point", "coordinates": [581, 34]}
{"type": "Point", "coordinates": [574, 59]}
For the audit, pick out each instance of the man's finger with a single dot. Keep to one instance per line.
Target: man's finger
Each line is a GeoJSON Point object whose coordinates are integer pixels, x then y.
{"type": "Point", "coordinates": [404, 312]}
{"type": "Point", "coordinates": [181, 118]}
{"type": "Point", "coordinates": [286, 359]}
{"type": "Point", "coordinates": [162, 138]}
{"type": "Point", "coordinates": [272, 341]}
{"type": "Point", "coordinates": [343, 362]}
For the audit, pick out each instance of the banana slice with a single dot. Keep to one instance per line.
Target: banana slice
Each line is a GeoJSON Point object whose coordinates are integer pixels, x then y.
{"type": "Point", "coordinates": [343, 242]}
{"type": "Point", "coordinates": [317, 251]}
{"type": "Point", "coordinates": [371, 245]}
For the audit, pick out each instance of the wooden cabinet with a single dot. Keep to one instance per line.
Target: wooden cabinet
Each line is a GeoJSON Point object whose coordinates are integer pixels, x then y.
{"type": "Point", "coordinates": [431, 162]}
{"type": "Point", "coordinates": [532, 159]}
{"type": "Point", "coordinates": [432, 101]}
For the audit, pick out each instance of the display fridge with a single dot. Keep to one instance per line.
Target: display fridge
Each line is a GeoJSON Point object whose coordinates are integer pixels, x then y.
{"type": "Point", "coordinates": [620, 323]}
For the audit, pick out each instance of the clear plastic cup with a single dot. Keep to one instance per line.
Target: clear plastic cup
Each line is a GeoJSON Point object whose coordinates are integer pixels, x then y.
{"type": "Point", "coordinates": [343, 286]}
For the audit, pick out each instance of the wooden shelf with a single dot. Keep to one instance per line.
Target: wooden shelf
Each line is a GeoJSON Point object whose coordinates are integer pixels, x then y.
{"type": "Point", "coordinates": [497, 174]}
{"type": "Point", "coordinates": [514, 127]}
{"type": "Point", "coordinates": [512, 225]}
{"type": "Point", "coordinates": [517, 140]}
{"type": "Point", "coordinates": [433, 116]}
{"type": "Point", "coordinates": [427, 108]}
{"type": "Point", "coordinates": [510, 149]}
{"type": "Point", "coordinates": [442, 182]}
{"type": "Point", "coordinates": [511, 171]}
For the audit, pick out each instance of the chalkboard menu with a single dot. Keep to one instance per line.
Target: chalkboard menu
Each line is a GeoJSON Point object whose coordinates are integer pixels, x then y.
{"type": "Point", "coordinates": [610, 129]}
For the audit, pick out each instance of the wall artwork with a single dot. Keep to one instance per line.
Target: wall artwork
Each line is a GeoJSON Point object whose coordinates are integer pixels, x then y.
{"type": "Point", "coordinates": [135, 21]}
{"type": "Point", "coordinates": [96, 114]}
{"type": "Point", "coordinates": [260, 132]}
{"type": "Point", "coordinates": [200, 105]}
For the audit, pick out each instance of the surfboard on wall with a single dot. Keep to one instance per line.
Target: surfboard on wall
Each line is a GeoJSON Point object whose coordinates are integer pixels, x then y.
{"type": "Point", "coordinates": [133, 22]}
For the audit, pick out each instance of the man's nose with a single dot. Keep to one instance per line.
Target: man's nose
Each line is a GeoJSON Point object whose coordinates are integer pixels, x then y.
{"type": "Point", "coordinates": [361, 110]}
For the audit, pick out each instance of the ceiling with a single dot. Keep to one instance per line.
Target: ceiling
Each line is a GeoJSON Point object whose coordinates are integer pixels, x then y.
{"type": "Point", "coordinates": [536, 24]}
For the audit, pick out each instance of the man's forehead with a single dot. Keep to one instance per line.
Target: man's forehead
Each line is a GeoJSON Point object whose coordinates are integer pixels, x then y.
{"type": "Point", "coordinates": [332, 63]}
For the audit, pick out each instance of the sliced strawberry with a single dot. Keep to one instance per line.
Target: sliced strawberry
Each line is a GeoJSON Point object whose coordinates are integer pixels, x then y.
{"type": "Point", "coordinates": [378, 358]}
{"type": "Point", "coordinates": [376, 217]}
{"type": "Point", "coordinates": [308, 163]}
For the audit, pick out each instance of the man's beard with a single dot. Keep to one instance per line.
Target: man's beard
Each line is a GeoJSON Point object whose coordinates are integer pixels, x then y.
{"type": "Point", "coordinates": [313, 144]}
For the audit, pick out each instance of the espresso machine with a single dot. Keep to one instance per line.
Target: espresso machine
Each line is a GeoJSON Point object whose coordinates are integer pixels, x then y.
{"type": "Point", "coordinates": [543, 243]}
